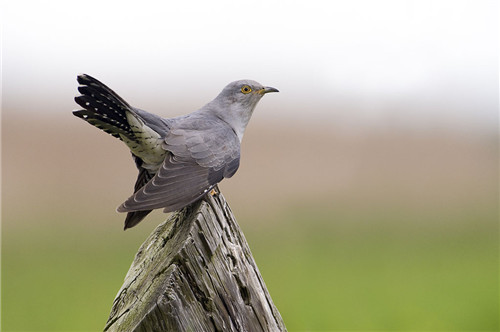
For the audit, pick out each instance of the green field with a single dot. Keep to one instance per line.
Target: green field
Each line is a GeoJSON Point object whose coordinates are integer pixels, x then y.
{"type": "Point", "coordinates": [324, 272]}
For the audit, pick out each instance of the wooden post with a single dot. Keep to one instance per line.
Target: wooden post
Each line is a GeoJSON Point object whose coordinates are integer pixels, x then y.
{"type": "Point", "coordinates": [195, 272]}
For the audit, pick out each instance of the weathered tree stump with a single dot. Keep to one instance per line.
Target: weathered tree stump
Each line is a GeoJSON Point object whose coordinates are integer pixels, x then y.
{"type": "Point", "coordinates": [195, 272]}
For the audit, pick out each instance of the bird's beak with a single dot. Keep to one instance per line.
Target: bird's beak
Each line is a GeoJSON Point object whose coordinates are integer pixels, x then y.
{"type": "Point", "coordinates": [267, 89]}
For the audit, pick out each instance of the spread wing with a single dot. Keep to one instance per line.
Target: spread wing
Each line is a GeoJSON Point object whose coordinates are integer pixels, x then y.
{"type": "Point", "coordinates": [202, 153]}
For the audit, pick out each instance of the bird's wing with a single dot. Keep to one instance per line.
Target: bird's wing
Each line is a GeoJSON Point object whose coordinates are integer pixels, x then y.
{"type": "Point", "coordinates": [201, 153]}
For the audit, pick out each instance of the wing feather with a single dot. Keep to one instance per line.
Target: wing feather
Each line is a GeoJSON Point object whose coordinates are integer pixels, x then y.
{"type": "Point", "coordinates": [198, 159]}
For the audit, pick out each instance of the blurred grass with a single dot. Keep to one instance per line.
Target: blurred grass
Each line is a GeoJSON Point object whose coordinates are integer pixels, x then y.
{"type": "Point", "coordinates": [56, 280]}
{"type": "Point", "coordinates": [326, 277]}
{"type": "Point", "coordinates": [389, 231]}
{"type": "Point", "coordinates": [324, 272]}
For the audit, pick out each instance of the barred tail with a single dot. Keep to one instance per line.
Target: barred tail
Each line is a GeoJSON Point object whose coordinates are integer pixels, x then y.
{"type": "Point", "coordinates": [103, 108]}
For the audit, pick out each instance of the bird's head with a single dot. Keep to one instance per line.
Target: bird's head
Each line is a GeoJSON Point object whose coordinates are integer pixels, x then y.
{"type": "Point", "coordinates": [236, 102]}
{"type": "Point", "coordinates": [246, 93]}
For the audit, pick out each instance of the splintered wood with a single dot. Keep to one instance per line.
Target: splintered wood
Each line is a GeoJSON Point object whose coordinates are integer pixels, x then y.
{"type": "Point", "coordinates": [195, 272]}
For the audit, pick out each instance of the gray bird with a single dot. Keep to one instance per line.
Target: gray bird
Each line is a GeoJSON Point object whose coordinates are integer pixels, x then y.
{"type": "Point", "coordinates": [179, 159]}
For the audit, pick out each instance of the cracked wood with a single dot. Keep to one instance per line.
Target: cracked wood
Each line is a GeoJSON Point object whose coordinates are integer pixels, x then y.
{"type": "Point", "coordinates": [195, 272]}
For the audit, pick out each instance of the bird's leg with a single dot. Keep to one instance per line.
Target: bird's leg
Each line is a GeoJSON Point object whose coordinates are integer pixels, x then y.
{"type": "Point", "coordinates": [213, 192]}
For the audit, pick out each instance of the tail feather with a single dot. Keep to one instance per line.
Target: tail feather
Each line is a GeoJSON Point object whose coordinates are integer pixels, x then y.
{"type": "Point", "coordinates": [133, 218]}
{"type": "Point", "coordinates": [106, 110]}
{"type": "Point", "coordinates": [87, 80]}
{"type": "Point", "coordinates": [103, 108]}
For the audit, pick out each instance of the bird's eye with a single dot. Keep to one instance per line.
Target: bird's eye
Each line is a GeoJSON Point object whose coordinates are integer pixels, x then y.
{"type": "Point", "coordinates": [246, 89]}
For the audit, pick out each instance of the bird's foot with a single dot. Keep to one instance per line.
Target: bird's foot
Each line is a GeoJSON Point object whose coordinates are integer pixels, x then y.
{"type": "Point", "coordinates": [213, 192]}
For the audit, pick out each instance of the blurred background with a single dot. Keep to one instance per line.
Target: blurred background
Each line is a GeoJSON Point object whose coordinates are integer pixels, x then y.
{"type": "Point", "coordinates": [368, 187]}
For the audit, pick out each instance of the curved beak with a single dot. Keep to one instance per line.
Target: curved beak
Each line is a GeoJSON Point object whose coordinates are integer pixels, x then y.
{"type": "Point", "coordinates": [270, 89]}
{"type": "Point", "coordinates": [266, 89]}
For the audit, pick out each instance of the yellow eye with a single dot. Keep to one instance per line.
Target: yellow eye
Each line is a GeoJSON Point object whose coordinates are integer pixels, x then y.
{"type": "Point", "coordinates": [246, 89]}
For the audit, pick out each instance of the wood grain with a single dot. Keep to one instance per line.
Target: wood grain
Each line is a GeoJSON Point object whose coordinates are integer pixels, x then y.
{"type": "Point", "coordinates": [195, 272]}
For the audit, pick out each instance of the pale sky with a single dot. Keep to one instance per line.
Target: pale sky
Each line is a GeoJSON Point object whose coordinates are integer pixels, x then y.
{"type": "Point", "coordinates": [395, 60]}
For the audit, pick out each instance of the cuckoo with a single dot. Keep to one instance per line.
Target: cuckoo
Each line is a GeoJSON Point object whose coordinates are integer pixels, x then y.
{"type": "Point", "coordinates": [179, 159]}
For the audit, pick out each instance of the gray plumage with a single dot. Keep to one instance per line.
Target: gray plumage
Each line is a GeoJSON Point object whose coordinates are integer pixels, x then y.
{"type": "Point", "coordinates": [179, 159]}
